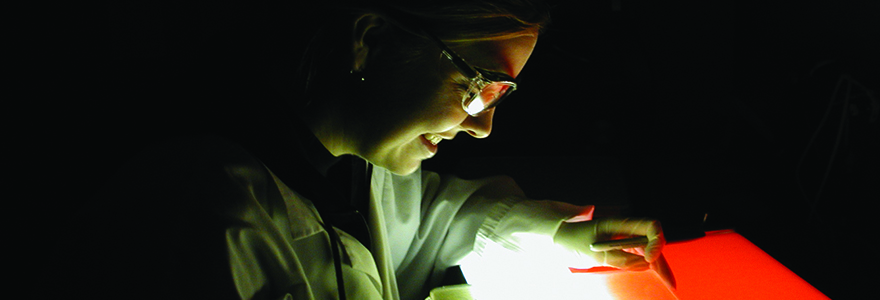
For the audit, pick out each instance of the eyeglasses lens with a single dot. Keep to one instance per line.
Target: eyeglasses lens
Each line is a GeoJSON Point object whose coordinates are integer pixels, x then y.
{"type": "Point", "coordinates": [486, 97]}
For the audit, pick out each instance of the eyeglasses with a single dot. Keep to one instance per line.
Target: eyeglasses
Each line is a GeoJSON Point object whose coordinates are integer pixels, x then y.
{"type": "Point", "coordinates": [486, 88]}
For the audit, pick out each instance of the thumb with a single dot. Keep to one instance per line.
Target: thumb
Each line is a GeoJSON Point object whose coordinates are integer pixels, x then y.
{"type": "Point", "coordinates": [624, 260]}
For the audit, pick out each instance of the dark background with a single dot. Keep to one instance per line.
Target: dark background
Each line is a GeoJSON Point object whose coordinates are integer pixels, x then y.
{"type": "Point", "coordinates": [715, 108]}
{"type": "Point", "coordinates": [725, 109]}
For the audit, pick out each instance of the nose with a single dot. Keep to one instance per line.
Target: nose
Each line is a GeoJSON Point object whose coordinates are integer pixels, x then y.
{"type": "Point", "coordinates": [479, 126]}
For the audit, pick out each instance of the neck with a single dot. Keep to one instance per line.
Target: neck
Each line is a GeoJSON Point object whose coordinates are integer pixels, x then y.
{"type": "Point", "coordinates": [328, 125]}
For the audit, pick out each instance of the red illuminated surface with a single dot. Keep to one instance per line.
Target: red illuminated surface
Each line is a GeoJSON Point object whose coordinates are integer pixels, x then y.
{"type": "Point", "coordinates": [721, 265]}
{"type": "Point", "coordinates": [725, 265]}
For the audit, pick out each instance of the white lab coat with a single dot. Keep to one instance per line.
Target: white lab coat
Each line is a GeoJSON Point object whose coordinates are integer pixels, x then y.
{"type": "Point", "coordinates": [276, 247]}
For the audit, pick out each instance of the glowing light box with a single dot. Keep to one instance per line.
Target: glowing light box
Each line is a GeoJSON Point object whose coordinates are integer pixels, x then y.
{"type": "Point", "coordinates": [722, 265]}
{"type": "Point", "coordinates": [725, 265]}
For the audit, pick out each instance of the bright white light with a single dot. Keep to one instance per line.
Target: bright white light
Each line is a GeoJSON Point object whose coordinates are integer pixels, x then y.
{"type": "Point", "coordinates": [475, 106]}
{"type": "Point", "coordinates": [539, 270]}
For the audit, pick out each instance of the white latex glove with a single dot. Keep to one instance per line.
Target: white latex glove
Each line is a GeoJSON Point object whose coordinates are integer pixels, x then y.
{"type": "Point", "coordinates": [578, 236]}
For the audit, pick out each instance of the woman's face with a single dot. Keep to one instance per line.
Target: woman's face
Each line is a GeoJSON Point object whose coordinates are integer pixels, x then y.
{"type": "Point", "coordinates": [410, 109]}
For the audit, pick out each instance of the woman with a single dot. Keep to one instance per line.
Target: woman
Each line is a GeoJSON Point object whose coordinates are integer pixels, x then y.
{"type": "Point", "coordinates": [271, 211]}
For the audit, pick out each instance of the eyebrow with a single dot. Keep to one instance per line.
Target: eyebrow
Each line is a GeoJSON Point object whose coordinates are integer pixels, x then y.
{"type": "Point", "coordinates": [496, 74]}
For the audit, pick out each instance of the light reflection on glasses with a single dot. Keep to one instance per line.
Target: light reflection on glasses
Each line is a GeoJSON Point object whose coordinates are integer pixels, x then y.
{"type": "Point", "coordinates": [486, 88]}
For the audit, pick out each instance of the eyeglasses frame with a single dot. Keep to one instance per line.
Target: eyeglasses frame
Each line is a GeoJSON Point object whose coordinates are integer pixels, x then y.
{"type": "Point", "coordinates": [476, 77]}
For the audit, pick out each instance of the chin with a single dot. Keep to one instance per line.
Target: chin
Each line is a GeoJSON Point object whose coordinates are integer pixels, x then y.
{"type": "Point", "coordinates": [399, 161]}
{"type": "Point", "coordinates": [405, 170]}
{"type": "Point", "coordinates": [401, 167]}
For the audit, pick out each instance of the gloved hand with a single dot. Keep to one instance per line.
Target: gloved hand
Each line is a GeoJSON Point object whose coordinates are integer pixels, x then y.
{"type": "Point", "coordinates": [578, 236]}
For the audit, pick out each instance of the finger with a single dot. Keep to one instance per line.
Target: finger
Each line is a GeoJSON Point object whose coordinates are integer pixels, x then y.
{"type": "Point", "coordinates": [640, 251]}
{"type": "Point", "coordinates": [627, 261]}
{"type": "Point", "coordinates": [649, 228]}
{"type": "Point", "coordinates": [654, 248]}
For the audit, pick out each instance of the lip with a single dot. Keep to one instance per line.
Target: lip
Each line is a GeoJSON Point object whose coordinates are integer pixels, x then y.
{"type": "Point", "coordinates": [431, 147]}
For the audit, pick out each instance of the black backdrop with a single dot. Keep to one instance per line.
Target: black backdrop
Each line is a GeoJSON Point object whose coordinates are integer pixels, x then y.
{"type": "Point", "coordinates": [708, 107]}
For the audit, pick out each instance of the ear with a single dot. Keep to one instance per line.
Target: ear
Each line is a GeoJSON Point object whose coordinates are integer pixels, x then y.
{"type": "Point", "coordinates": [365, 43]}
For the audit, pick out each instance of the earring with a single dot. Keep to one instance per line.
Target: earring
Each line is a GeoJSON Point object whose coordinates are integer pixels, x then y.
{"type": "Point", "coordinates": [357, 76]}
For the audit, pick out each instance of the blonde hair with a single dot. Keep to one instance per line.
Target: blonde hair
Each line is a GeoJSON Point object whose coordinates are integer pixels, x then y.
{"type": "Point", "coordinates": [473, 20]}
{"type": "Point", "coordinates": [453, 21]}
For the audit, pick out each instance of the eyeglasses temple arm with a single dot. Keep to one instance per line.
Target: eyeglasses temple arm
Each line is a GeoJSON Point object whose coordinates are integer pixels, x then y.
{"type": "Point", "coordinates": [457, 61]}
{"type": "Point", "coordinates": [460, 64]}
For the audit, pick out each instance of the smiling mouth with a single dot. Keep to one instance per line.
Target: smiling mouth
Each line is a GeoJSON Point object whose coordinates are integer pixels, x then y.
{"type": "Point", "coordinates": [433, 139]}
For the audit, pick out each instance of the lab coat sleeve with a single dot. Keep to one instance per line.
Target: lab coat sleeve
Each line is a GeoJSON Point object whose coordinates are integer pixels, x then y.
{"type": "Point", "coordinates": [514, 223]}
{"type": "Point", "coordinates": [457, 217]}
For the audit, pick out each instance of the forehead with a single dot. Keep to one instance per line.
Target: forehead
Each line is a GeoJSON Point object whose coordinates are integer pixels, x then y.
{"type": "Point", "coordinates": [508, 55]}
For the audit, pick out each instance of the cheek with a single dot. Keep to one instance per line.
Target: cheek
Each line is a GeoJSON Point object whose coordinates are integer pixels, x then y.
{"type": "Point", "coordinates": [444, 111]}
{"type": "Point", "coordinates": [423, 99]}
{"type": "Point", "coordinates": [392, 105]}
